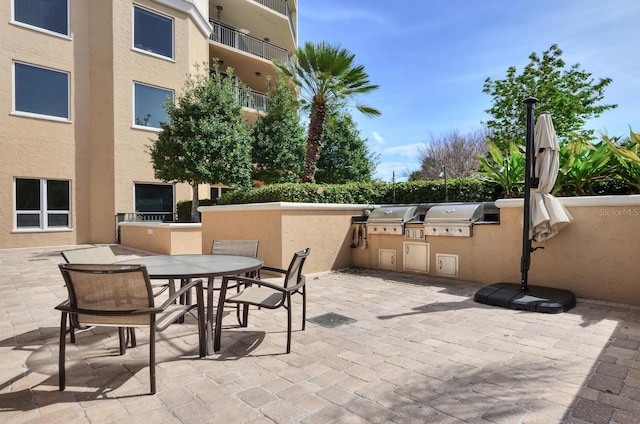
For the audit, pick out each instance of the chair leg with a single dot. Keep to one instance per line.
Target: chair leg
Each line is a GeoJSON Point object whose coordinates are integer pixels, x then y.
{"type": "Point", "coordinates": [132, 335]}
{"type": "Point", "coordinates": [122, 336]}
{"type": "Point", "coordinates": [304, 307]}
{"type": "Point", "coordinates": [245, 315]}
{"type": "Point", "coordinates": [61, 351]}
{"type": "Point", "coordinates": [152, 355]}
{"type": "Point", "coordinates": [288, 306]}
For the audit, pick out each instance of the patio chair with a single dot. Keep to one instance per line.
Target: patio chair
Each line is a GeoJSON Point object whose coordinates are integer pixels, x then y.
{"type": "Point", "coordinates": [264, 294]}
{"type": "Point", "coordinates": [121, 296]}
{"type": "Point", "coordinates": [234, 247]}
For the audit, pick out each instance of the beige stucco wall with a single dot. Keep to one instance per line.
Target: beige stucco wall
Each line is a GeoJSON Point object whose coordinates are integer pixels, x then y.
{"type": "Point", "coordinates": [283, 228]}
{"type": "Point", "coordinates": [595, 256]}
{"type": "Point", "coordinates": [40, 148]}
{"type": "Point", "coordinates": [98, 150]}
{"type": "Point", "coordinates": [166, 239]}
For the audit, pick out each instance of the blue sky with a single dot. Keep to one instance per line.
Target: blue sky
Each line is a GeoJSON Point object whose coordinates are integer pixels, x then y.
{"type": "Point", "coordinates": [431, 57]}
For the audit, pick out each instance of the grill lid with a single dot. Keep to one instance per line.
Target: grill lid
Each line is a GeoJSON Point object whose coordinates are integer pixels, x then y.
{"type": "Point", "coordinates": [454, 213]}
{"type": "Point", "coordinates": [392, 214]}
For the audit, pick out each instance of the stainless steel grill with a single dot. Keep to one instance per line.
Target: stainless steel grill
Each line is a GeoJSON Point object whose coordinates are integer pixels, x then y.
{"type": "Point", "coordinates": [390, 219]}
{"type": "Point", "coordinates": [453, 220]}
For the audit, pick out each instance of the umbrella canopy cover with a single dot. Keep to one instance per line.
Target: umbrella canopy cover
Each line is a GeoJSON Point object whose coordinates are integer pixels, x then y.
{"type": "Point", "coordinates": [548, 215]}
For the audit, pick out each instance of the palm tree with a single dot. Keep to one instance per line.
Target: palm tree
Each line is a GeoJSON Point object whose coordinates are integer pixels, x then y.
{"type": "Point", "coordinates": [325, 74]}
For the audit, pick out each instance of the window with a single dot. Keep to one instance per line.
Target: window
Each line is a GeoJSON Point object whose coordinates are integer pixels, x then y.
{"type": "Point", "coordinates": [42, 204]}
{"type": "Point", "coordinates": [40, 91]}
{"type": "Point", "coordinates": [152, 32]}
{"type": "Point", "coordinates": [148, 108]}
{"type": "Point", "coordinates": [154, 201]}
{"type": "Point", "coordinates": [50, 15]}
{"type": "Point", "coordinates": [216, 192]}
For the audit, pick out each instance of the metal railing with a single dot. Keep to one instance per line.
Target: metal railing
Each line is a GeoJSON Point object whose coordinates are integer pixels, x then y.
{"type": "Point", "coordinates": [147, 217]}
{"type": "Point", "coordinates": [236, 39]}
{"type": "Point", "coordinates": [253, 100]}
{"type": "Point", "coordinates": [282, 7]}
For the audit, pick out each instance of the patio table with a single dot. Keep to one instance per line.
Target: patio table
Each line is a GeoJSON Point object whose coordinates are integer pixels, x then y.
{"type": "Point", "coordinates": [187, 267]}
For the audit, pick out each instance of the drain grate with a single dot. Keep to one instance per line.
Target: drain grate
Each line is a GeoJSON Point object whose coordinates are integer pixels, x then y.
{"type": "Point", "coordinates": [331, 320]}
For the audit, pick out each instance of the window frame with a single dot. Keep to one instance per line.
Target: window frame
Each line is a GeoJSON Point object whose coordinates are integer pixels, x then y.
{"type": "Point", "coordinates": [66, 35]}
{"type": "Point", "coordinates": [133, 33]}
{"type": "Point", "coordinates": [43, 212]}
{"type": "Point", "coordinates": [134, 98]}
{"type": "Point", "coordinates": [137, 185]}
{"type": "Point", "coordinates": [15, 111]}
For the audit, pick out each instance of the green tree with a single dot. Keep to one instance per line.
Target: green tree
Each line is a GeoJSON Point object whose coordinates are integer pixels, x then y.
{"type": "Point", "coordinates": [278, 137]}
{"type": "Point", "coordinates": [570, 95]}
{"type": "Point", "coordinates": [206, 140]}
{"type": "Point", "coordinates": [344, 155]}
{"type": "Point", "coordinates": [325, 74]}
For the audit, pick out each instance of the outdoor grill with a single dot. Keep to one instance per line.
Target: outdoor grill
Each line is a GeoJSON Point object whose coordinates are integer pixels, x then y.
{"type": "Point", "coordinates": [454, 220]}
{"type": "Point", "coordinates": [390, 219]}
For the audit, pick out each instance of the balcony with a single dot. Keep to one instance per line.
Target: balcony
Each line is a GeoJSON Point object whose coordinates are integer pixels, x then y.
{"type": "Point", "coordinates": [246, 43]}
{"type": "Point", "coordinates": [280, 6]}
{"type": "Point", "coordinates": [253, 100]}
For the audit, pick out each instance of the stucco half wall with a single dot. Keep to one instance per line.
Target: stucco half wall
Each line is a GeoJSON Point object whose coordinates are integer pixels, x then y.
{"type": "Point", "coordinates": [284, 228]}
{"type": "Point", "coordinates": [595, 256]}
{"type": "Point", "coordinates": [163, 238]}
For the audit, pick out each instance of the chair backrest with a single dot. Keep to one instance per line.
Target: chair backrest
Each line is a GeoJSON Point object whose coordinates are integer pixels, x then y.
{"type": "Point", "coordinates": [91, 255]}
{"type": "Point", "coordinates": [294, 272]}
{"type": "Point", "coordinates": [109, 288]}
{"type": "Point", "coordinates": [235, 247]}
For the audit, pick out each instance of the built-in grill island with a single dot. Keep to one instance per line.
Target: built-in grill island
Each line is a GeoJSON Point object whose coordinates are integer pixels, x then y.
{"type": "Point", "coordinates": [453, 220]}
{"type": "Point", "coordinates": [427, 238]}
{"type": "Point", "coordinates": [390, 219]}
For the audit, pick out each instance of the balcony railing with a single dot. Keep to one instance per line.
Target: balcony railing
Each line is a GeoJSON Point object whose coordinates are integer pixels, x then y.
{"type": "Point", "coordinates": [236, 39]}
{"type": "Point", "coordinates": [247, 98]}
{"type": "Point", "coordinates": [280, 6]}
{"type": "Point", "coordinates": [253, 100]}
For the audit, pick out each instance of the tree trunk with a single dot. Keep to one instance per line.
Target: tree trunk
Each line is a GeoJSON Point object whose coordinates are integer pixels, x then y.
{"type": "Point", "coordinates": [314, 138]}
{"type": "Point", "coordinates": [195, 202]}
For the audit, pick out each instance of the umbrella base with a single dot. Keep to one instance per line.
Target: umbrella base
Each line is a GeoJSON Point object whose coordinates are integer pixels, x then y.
{"type": "Point", "coordinates": [535, 299]}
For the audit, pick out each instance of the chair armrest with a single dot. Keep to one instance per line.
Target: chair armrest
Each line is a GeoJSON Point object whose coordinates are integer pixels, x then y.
{"type": "Point", "coordinates": [273, 269]}
{"type": "Point", "coordinates": [249, 281]}
{"type": "Point", "coordinates": [65, 307]}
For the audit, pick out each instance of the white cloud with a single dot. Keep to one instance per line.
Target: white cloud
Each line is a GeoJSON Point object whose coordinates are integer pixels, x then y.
{"type": "Point", "coordinates": [377, 138]}
{"type": "Point", "coordinates": [405, 150]}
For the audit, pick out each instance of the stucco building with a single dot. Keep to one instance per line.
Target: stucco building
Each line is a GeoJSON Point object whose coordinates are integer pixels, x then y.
{"type": "Point", "coordinates": [81, 93]}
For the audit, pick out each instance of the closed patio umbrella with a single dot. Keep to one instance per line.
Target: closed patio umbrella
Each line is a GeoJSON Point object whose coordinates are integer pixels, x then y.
{"type": "Point", "coordinates": [544, 216]}
{"type": "Point", "coordinates": [548, 215]}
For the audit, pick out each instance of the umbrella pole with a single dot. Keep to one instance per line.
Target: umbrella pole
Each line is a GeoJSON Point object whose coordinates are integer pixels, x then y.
{"type": "Point", "coordinates": [525, 260]}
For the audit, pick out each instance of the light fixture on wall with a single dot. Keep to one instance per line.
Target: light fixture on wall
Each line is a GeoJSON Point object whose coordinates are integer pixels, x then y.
{"type": "Point", "coordinates": [219, 11]}
{"type": "Point", "coordinates": [258, 74]}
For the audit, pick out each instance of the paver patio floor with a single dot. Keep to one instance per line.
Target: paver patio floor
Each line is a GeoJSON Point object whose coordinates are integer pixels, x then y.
{"type": "Point", "coordinates": [416, 350]}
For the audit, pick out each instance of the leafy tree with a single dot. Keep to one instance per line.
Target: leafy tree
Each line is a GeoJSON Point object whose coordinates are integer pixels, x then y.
{"type": "Point", "coordinates": [206, 140]}
{"type": "Point", "coordinates": [570, 95]}
{"type": "Point", "coordinates": [344, 155]}
{"type": "Point", "coordinates": [325, 74]}
{"type": "Point", "coordinates": [458, 152]}
{"type": "Point", "coordinates": [278, 137]}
